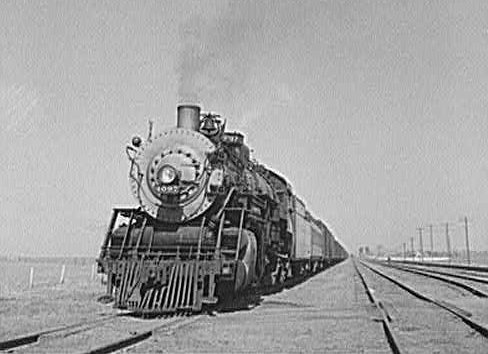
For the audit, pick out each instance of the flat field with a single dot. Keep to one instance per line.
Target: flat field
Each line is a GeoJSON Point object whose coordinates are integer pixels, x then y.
{"type": "Point", "coordinates": [48, 303]}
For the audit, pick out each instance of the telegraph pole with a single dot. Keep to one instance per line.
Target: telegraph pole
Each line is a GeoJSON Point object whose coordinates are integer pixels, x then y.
{"type": "Point", "coordinates": [448, 242]}
{"type": "Point", "coordinates": [431, 242]}
{"type": "Point", "coordinates": [404, 251]}
{"type": "Point", "coordinates": [467, 238]}
{"type": "Point", "coordinates": [411, 246]}
{"type": "Point", "coordinates": [421, 244]}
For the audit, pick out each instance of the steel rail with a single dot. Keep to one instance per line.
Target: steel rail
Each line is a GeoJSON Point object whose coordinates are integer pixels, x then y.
{"type": "Point", "coordinates": [385, 317]}
{"type": "Point", "coordinates": [478, 327]}
{"type": "Point", "coordinates": [140, 337]}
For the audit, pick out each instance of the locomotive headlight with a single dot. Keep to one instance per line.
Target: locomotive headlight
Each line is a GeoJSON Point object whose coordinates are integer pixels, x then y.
{"type": "Point", "coordinates": [167, 174]}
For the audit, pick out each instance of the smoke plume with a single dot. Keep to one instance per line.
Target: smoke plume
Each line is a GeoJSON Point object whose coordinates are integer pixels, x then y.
{"type": "Point", "coordinates": [218, 56]}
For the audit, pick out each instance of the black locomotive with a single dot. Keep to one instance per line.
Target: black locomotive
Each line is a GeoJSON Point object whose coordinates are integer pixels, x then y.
{"type": "Point", "coordinates": [210, 223]}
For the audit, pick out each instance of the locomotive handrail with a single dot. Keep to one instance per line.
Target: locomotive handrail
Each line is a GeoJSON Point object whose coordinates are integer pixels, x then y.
{"type": "Point", "coordinates": [237, 209]}
{"type": "Point", "coordinates": [141, 233]}
{"type": "Point", "coordinates": [126, 234]}
{"type": "Point", "coordinates": [219, 235]}
{"type": "Point", "coordinates": [226, 201]}
{"type": "Point", "coordinates": [157, 249]}
{"type": "Point", "coordinates": [239, 236]}
{"type": "Point", "coordinates": [200, 234]}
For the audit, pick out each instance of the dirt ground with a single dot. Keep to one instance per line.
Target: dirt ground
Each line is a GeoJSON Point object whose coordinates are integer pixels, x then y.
{"type": "Point", "coordinates": [329, 313]}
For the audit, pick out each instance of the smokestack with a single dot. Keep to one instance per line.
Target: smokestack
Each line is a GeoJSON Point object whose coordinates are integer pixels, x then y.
{"type": "Point", "coordinates": [188, 117]}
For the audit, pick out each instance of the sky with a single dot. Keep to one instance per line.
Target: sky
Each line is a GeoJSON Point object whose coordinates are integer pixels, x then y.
{"type": "Point", "coordinates": [375, 111]}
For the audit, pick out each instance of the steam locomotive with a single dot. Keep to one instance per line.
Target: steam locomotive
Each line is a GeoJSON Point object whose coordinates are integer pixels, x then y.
{"type": "Point", "coordinates": [211, 222]}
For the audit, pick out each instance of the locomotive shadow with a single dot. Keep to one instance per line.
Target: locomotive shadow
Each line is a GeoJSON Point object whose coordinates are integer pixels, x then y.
{"type": "Point", "coordinates": [253, 298]}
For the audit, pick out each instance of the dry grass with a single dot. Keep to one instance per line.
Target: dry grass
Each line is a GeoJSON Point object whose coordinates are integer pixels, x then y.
{"type": "Point", "coordinates": [48, 303]}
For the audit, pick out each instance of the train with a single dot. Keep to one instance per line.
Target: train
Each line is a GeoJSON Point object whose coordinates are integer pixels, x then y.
{"type": "Point", "coordinates": [211, 222]}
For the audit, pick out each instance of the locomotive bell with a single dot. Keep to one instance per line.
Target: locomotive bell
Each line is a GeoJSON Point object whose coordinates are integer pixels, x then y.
{"type": "Point", "coordinates": [188, 117]}
{"type": "Point", "coordinates": [209, 127]}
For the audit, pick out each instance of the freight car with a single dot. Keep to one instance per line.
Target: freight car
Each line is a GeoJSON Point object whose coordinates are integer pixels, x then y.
{"type": "Point", "coordinates": [211, 222]}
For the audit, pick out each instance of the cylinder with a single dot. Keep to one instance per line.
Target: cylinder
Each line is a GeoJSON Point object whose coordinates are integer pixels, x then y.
{"type": "Point", "coordinates": [188, 117]}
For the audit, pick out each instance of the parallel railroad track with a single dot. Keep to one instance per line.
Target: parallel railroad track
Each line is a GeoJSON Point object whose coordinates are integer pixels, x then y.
{"type": "Point", "coordinates": [459, 313]}
{"type": "Point", "coordinates": [463, 267]}
{"type": "Point", "coordinates": [444, 277]}
{"type": "Point", "coordinates": [451, 272]}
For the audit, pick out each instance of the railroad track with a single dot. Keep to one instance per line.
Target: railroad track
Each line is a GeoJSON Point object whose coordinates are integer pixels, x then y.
{"type": "Point", "coordinates": [103, 335]}
{"type": "Point", "coordinates": [475, 276]}
{"type": "Point", "coordinates": [459, 313]}
{"type": "Point", "coordinates": [463, 267]}
{"type": "Point", "coordinates": [444, 277]}
{"type": "Point", "coordinates": [144, 334]}
{"type": "Point", "coordinates": [452, 272]}
{"type": "Point", "coordinates": [385, 317]}
{"type": "Point", "coordinates": [32, 338]}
